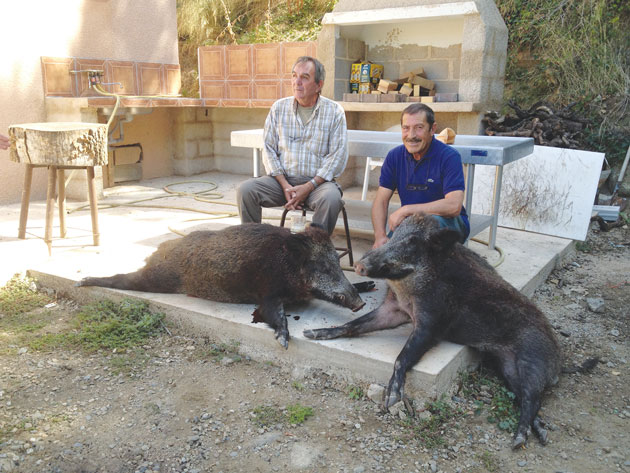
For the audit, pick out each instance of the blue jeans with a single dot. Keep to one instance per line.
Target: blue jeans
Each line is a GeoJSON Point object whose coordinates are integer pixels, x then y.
{"type": "Point", "coordinates": [454, 223]}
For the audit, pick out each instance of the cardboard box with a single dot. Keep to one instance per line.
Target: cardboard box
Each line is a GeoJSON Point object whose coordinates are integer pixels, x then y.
{"type": "Point", "coordinates": [355, 73]}
{"type": "Point", "coordinates": [413, 99]}
{"type": "Point", "coordinates": [427, 99]}
{"type": "Point", "coordinates": [386, 86]}
{"type": "Point", "coordinates": [371, 72]}
{"type": "Point", "coordinates": [365, 88]}
{"type": "Point", "coordinates": [351, 97]}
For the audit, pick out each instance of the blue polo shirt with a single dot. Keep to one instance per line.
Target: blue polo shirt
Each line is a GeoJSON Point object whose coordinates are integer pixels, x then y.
{"type": "Point", "coordinates": [439, 172]}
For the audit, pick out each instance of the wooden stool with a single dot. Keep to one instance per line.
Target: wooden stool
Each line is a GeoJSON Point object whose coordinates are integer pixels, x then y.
{"type": "Point", "coordinates": [58, 146]}
{"type": "Point", "coordinates": [343, 251]}
{"type": "Point", "coordinates": [57, 173]}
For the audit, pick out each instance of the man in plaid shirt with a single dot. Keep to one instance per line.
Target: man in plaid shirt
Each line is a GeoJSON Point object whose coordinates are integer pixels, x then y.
{"type": "Point", "coordinates": [306, 148]}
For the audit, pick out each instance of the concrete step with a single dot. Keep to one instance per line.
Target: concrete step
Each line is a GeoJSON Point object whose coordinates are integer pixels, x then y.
{"type": "Point", "coordinates": [130, 234]}
{"type": "Point", "coordinates": [366, 359]}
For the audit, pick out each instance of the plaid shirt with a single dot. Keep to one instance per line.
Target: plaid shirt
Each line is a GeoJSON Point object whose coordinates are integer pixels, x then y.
{"type": "Point", "coordinates": [317, 148]}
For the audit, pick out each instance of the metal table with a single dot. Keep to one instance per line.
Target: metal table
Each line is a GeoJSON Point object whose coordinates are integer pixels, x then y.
{"type": "Point", "coordinates": [475, 150]}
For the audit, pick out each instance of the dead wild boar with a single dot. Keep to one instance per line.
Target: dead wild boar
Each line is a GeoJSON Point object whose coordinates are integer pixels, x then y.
{"type": "Point", "coordinates": [250, 263]}
{"type": "Point", "coordinates": [448, 292]}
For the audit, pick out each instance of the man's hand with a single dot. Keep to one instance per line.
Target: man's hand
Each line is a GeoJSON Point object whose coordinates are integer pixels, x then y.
{"type": "Point", "coordinates": [296, 195]}
{"type": "Point", "coordinates": [378, 242]}
{"type": "Point", "coordinates": [397, 217]}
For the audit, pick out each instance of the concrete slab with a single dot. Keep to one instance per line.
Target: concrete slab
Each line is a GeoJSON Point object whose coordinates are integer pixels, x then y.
{"type": "Point", "coordinates": [130, 232]}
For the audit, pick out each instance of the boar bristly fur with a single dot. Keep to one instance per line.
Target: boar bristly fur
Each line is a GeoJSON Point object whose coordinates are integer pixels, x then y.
{"type": "Point", "coordinates": [250, 263]}
{"type": "Point", "coordinates": [448, 292]}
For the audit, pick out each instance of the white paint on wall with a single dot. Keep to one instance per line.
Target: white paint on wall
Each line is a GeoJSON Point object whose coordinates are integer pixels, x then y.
{"type": "Point", "coordinates": [551, 191]}
{"type": "Point", "coordinates": [441, 33]}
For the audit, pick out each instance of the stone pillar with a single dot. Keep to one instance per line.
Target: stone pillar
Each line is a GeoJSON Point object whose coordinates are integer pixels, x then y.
{"type": "Point", "coordinates": [193, 141]}
{"type": "Point", "coordinates": [484, 53]}
{"type": "Point", "coordinates": [326, 46]}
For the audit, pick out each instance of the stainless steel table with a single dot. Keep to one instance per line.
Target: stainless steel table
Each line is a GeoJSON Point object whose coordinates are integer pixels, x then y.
{"type": "Point", "coordinates": [484, 150]}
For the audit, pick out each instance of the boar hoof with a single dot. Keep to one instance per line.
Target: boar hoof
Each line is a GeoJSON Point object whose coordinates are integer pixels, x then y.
{"type": "Point", "coordinates": [541, 432]}
{"type": "Point", "coordinates": [391, 398]}
{"type": "Point", "coordinates": [364, 286]}
{"type": "Point", "coordinates": [283, 338]}
{"type": "Point", "coordinates": [519, 441]}
{"type": "Point", "coordinates": [318, 334]}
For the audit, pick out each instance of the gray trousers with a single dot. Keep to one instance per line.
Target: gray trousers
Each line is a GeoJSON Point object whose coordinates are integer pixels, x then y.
{"type": "Point", "coordinates": [257, 192]}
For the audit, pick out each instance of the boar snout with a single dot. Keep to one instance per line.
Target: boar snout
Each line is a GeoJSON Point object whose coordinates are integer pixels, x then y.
{"type": "Point", "coordinates": [360, 269]}
{"type": "Point", "coordinates": [351, 301]}
{"type": "Point", "coordinates": [358, 305]}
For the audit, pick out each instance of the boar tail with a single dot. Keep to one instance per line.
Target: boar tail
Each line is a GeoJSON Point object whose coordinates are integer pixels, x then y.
{"type": "Point", "coordinates": [585, 367]}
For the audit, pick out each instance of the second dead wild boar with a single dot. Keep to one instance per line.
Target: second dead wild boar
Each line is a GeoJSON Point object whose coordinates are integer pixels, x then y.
{"type": "Point", "coordinates": [448, 292]}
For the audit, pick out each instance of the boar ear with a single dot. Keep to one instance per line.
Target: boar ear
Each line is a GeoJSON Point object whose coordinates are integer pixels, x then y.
{"type": "Point", "coordinates": [317, 232]}
{"type": "Point", "coordinates": [299, 247]}
{"type": "Point", "coordinates": [444, 239]}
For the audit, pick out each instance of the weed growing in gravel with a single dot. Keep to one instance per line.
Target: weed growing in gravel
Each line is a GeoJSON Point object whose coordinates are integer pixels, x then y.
{"type": "Point", "coordinates": [266, 416]}
{"type": "Point", "coordinates": [295, 414]}
{"type": "Point", "coordinates": [355, 392]}
{"type": "Point", "coordinates": [431, 431]}
{"type": "Point", "coordinates": [488, 390]}
{"type": "Point", "coordinates": [297, 386]}
{"type": "Point", "coordinates": [7, 430]}
{"type": "Point", "coordinates": [583, 246]}
{"type": "Point", "coordinates": [489, 462]}
{"type": "Point", "coordinates": [19, 296]}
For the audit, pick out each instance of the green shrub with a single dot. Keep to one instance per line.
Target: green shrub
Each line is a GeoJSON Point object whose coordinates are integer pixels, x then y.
{"type": "Point", "coordinates": [573, 51]}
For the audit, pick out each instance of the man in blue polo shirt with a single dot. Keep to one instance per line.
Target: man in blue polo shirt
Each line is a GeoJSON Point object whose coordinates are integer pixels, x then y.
{"type": "Point", "coordinates": [428, 175]}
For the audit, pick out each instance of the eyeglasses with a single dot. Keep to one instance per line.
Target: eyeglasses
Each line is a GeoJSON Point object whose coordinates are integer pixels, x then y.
{"type": "Point", "coordinates": [419, 187]}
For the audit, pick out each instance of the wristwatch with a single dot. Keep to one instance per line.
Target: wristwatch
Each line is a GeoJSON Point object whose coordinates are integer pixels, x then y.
{"type": "Point", "coordinates": [314, 182]}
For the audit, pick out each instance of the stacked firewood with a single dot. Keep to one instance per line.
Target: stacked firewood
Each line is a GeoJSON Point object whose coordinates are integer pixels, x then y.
{"type": "Point", "coordinates": [549, 127]}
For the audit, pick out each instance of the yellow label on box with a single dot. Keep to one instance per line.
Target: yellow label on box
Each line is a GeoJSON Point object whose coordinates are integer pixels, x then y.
{"type": "Point", "coordinates": [371, 72]}
{"type": "Point", "coordinates": [355, 72]}
{"type": "Point", "coordinates": [365, 88]}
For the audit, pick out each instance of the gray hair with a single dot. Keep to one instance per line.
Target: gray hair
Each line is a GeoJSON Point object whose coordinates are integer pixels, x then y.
{"type": "Point", "coordinates": [418, 107]}
{"type": "Point", "coordinates": [320, 72]}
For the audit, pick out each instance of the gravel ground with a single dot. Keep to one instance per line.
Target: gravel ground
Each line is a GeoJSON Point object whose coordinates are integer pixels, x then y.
{"type": "Point", "coordinates": [184, 404]}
